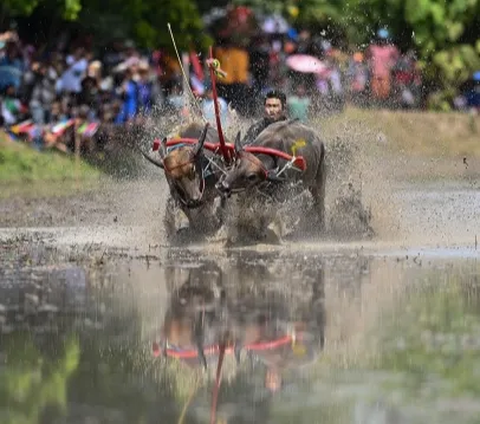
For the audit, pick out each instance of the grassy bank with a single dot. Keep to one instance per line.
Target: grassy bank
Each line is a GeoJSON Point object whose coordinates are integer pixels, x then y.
{"type": "Point", "coordinates": [24, 170]}
{"type": "Point", "coordinates": [425, 145]}
{"type": "Point", "coordinates": [415, 133]}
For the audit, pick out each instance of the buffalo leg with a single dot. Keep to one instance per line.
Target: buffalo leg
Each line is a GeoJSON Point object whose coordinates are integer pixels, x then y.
{"type": "Point", "coordinates": [318, 194]}
{"type": "Point", "coordinates": [203, 221]}
{"type": "Point", "coordinates": [221, 211]}
{"type": "Point", "coordinates": [169, 218]}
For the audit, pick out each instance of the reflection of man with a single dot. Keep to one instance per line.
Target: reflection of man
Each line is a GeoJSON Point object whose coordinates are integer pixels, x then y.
{"type": "Point", "coordinates": [274, 107]}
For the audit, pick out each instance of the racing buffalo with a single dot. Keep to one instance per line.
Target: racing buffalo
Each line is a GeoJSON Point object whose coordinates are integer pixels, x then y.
{"type": "Point", "coordinates": [191, 172]}
{"type": "Point", "coordinates": [269, 178]}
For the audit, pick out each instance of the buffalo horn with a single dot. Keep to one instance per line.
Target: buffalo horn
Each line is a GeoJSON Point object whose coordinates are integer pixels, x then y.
{"type": "Point", "coordinates": [238, 142]}
{"type": "Point", "coordinates": [152, 160]}
{"type": "Point", "coordinates": [201, 140]}
{"type": "Point", "coordinates": [163, 148]}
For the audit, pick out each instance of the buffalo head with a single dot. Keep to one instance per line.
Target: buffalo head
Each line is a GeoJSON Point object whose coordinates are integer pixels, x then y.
{"type": "Point", "coordinates": [183, 169]}
{"type": "Point", "coordinates": [248, 171]}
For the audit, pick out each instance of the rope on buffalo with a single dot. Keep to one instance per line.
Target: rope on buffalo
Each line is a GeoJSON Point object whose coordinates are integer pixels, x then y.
{"type": "Point", "coordinates": [184, 74]}
{"type": "Point", "coordinates": [289, 165]}
{"type": "Point", "coordinates": [212, 162]}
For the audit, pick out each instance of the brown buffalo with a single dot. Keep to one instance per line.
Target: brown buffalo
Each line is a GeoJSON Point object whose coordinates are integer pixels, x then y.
{"type": "Point", "coordinates": [191, 172]}
{"type": "Point", "coordinates": [265, 173]}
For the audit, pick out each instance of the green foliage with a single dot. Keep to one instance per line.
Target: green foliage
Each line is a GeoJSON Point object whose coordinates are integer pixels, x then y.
{"type": "Point", "coordinates": [184, 18]}
{"type": "Point", "coordinates": [30, 381]}
{"type": "Point", "coordinates": [146, 22]}
{"type": "Point", "coordinates": [69, 8]}
{"type": "Point", "coordinates": [20, 7]}
{"type": "Point", "coordinates": [319, 11]}
{"type": "Point", "coordinates": [434, 334]}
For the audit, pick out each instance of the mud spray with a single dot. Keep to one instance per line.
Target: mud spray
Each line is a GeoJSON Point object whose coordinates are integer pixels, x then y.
{"type": "Point", "coordinates": [359, 204]}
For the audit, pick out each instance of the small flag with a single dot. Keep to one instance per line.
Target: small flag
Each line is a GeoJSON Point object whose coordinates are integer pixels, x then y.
{"type": "Point", "coordinates": [297, 144]}
{"type": "Point", "coordinates": [91, 129]}
{"type": "Point", "coordinates": [61, 127]}
{"type": "Point", "coordinates": [22, 127]}
{"type": "Point", "coordinates": [34, 131]}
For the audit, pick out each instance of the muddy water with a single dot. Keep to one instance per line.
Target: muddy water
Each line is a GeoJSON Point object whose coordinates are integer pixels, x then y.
{"type": "Point", "coordinates": [334, 330]}
{"type": "Point", "coordinates": [333, 335]}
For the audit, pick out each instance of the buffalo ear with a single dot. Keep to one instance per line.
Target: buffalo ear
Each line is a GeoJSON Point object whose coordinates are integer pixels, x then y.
{"type": "Point", "coordinates": [238, 142]}
{"type": "Point", "coordinates": [163, 148]}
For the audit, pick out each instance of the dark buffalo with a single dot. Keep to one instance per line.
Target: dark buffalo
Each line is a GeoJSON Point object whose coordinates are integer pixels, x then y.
{"type": "Point", "coordinates": [192, 173]}
{"type": "Point", "coordinates": [260, 173]}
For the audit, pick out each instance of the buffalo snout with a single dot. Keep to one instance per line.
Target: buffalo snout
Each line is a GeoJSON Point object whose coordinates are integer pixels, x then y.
{"type": "Point", "coordinates": [194, 202]}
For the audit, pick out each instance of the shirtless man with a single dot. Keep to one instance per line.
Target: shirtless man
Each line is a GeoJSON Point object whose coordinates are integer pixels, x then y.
{"type": "Point", "coordinates": [275, 110]}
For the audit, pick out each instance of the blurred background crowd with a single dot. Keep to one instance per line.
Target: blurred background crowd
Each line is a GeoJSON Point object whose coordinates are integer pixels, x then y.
{"type": "Point", "coordinates": [77, 91]}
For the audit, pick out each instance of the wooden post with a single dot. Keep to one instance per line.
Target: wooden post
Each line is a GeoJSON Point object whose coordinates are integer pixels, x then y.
{"type": "Point", "coordinates": [186, 82]}
{"type": "Point", "coordinates": [225, 152]}
{"type": "Point", "coordinates": [77, 139]}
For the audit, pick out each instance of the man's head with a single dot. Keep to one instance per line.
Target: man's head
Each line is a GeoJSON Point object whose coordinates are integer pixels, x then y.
{"type": "Point", "coordinates": [275, 104]}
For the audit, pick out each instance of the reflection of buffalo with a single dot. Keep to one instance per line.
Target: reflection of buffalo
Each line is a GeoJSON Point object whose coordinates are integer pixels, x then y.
{"type": "Point", "coordinates": [283, 327]}
{"type": "Point", "coordinates": [246, 312]}
{"type": "Point", "coordinates": [192, 325]}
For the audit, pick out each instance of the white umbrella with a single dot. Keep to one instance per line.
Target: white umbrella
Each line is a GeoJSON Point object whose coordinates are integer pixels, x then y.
{"type": "Point", "coordinates": [306, 64]}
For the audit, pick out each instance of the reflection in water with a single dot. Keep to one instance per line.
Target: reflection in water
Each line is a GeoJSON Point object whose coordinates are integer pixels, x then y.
{"type": "Point", "coordinates": [249, 320]}
{"type": "Point", "coordinates": [304, 339]}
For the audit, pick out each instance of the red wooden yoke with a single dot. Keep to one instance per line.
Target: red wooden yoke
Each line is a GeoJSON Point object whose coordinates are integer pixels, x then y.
{"type": "Point", "coordinates": [214, 349]}
{"type": "Point", "coordinates": [299, 161]}
{"type": "Point", "coordinates": [213, 147]}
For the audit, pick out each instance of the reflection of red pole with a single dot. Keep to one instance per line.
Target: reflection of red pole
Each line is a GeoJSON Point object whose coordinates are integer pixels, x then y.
{"type": "Point", "coordinates": [213, 412]}
{"type": "Point", "coordinates": [223, 148]}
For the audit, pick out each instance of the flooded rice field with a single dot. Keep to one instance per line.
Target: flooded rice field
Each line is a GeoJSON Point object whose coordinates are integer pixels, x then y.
{"type": "Point", "coordinates": [102, 321]}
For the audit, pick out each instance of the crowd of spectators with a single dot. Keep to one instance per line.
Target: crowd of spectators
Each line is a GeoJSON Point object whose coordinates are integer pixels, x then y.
{"type": "Point", "coordinates": [53, 98]}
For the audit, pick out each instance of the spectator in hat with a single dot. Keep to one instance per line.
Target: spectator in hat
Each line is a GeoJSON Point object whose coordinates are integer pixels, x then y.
{"type": "Point", "coordinates": [382, 57]}
{"type": "Point", "coordinates": [13, 65]}
{"type": "Point", "coordinates": [71, 80]}
{"type": "Point", "coordinates": [145, 88]}
{"type": "Point", "coordinates": [298, 104]}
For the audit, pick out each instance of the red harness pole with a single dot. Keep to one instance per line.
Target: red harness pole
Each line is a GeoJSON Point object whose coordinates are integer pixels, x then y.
{"type": "Point", "coordinates": [223, 148]}
{"type": "Point", "coordinates": [216, 387]}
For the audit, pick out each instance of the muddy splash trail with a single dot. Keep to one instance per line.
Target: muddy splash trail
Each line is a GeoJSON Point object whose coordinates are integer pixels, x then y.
{"type": "Point", "coordinates": [372, 202]}
{"type": "Point", "coordinates": [88, 286]}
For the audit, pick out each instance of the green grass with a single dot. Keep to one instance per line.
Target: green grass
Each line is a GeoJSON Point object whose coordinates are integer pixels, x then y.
{"type": "Point", "coordinates": [25, 170]}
